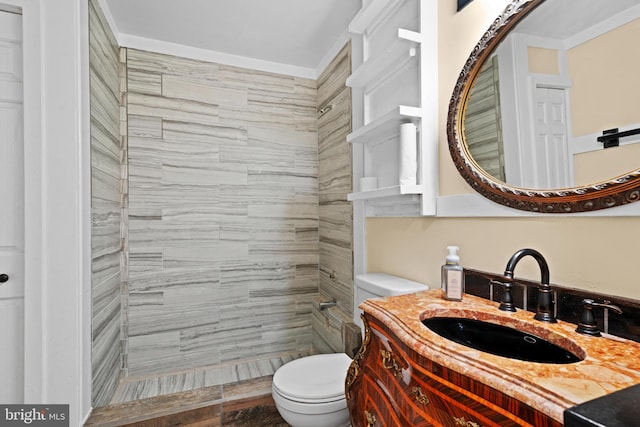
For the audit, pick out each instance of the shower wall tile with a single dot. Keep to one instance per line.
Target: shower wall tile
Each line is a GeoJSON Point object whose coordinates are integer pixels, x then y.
{"type": "Point", "coordinates": [334, 153]}
{"type": "Point", "coordinates": [207, 92]}
{"type": "Point", "coordinates": [234, 77]}
{"type": "Point", "coordinates": [150, 198]}
{"type": "Point", "coordinates": [333, 78]}
{"type": "Point", "coordinates": [144, 82]}
{"type": "Point", "coordinates": [145, 127]}
{"type": "Point", "coordinates": [124, 214]}
{"type": "Point", "coordinates": [153, 63]}
{"type": "Point", "coordinates": [207, 136]}
{"type": "Point", "coordinates": [106, 216]}
{"type": "Point", "coordinates": [172, 109]}
{"type": "Point", "coordinates": [335, 212]}
{"type": "Point", "coordinates": [144, 261]}
{"type": "Point", "coordinates": [328, 328]}
{"type": "Point", "coordinates": [147, 320]}
{"type": "Point", "coordinates": [180, 172]}
{"type": "Point", "coordinates": [223, 215]}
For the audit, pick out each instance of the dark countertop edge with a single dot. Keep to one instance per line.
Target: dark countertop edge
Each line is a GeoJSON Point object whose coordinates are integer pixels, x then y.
{"type": "Point", "coordinates": [618, 409]}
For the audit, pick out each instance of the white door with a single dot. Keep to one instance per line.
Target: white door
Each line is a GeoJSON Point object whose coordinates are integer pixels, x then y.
{"type": "Point", "coordinates": [552, 167]}
{"type": "Point", "coordinates": [11, 211]}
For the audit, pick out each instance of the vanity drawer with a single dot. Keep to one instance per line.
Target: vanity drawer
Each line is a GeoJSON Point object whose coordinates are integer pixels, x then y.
{"type": "Point", "coordinates": [378, 406]}
{"type": "Point", "coordinates": [393, 363]}
{"type": "Point", "coordinates": [445, 406]}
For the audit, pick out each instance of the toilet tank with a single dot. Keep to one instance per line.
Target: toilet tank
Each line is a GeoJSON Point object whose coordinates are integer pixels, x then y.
{"type": "Point", "coordinates": [375, 285]}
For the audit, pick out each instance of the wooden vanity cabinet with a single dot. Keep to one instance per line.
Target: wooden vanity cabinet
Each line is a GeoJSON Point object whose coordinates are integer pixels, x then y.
{"type": "Point", "coordinates": [389, 384]}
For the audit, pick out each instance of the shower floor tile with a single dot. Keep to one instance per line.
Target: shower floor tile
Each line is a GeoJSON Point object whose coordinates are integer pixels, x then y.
{"type": "Point", "coordinates": [137, 388]}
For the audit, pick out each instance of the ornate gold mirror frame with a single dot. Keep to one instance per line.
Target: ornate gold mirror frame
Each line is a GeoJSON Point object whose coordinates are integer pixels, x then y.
{"type": "Point", "coordinates": [616, 191]}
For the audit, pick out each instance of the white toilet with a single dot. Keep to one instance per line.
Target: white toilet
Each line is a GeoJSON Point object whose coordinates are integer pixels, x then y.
{"type": "Point", "coordinates": [309, 392]}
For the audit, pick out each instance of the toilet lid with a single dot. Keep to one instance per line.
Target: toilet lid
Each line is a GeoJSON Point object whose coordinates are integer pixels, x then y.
{"type": "Point", "coordinates": [312, 378]}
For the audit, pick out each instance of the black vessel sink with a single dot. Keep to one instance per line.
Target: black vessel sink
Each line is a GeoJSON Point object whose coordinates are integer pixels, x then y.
{"type": "Point", "coordinates": [499, 340]}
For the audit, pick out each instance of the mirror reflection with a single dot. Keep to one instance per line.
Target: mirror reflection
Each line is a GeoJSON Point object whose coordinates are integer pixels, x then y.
{"type": "Point", "coordinates": [566, 73]}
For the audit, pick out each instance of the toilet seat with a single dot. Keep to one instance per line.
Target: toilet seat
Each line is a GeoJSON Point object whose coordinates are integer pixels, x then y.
{"type": "Point", "coordinates": [313, 379]}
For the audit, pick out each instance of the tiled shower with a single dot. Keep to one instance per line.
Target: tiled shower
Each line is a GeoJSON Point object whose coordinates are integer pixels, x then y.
{"type": "Point", "coordinates": [223, 213]}
{"type": "Point", "coordinates": [219, 216]}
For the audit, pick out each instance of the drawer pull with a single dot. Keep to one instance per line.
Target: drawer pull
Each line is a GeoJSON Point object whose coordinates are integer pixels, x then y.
{"type": "Point", "coordinates": [420, 396]}
{"type": "Point", "coordinates": [461, 421]}
{"type": "Point", "coordinates": [371, 419]}
{"type": "Point", "coordinates": [388, 362]}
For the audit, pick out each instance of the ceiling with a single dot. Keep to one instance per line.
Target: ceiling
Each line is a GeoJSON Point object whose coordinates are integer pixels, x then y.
{"type": "Point", "coordinates": [293, 32]}
{"type": "Point", "coordinates": [561, 19]}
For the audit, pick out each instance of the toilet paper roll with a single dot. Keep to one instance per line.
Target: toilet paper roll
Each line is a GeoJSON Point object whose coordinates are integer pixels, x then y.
{"type": "Point", "coordinates": [368, 183]}
{"type": "Point", "coordinates": [408, 155]}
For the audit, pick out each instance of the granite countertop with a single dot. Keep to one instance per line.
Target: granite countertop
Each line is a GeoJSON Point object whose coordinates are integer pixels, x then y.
{"type": "Point", "coordinates": [610, 363]}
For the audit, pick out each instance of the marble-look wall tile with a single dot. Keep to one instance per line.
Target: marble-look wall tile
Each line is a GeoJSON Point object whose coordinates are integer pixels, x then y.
{"type": "Point", "coordinates": [145, 127]}
{"type": "Point", "coordinates": [124, 213]}
{"type": "Point", "coordinates": [173, 109]}
{"type": "Point", "coordinates": [105, 207]}
{"type": "Point", "coordinates": [223, 214]}
{"type": "Point", "coordinates": [334, 153]}
{"type": "Point", "coordinates": [332, 80]}
{"type": "Point", "coordinates": [328, 328]}
{"type": "Point", "coordinates": [208, 92]}
{"type": "Point", "coordinates": [209, 136]}
{"type": "Point", "coordinates": [335, 212]}
{"type": "Point", "coordinates": [144, 82]}
{"type": "Point", "coordinates": [153, 63]}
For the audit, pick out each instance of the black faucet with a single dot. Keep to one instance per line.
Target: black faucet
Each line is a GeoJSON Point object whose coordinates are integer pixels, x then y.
{"type": "Point", "coordinates": [544, 312]}
{"type": "Point", "coordinates": [506, 300]}
{"type": "Point", "coordinates": [587, 323]}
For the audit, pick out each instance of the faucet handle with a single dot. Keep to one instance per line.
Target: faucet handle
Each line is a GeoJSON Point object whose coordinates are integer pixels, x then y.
{"type": "Point", "coordinates": [587, 325]}
{"type": "Point", "coordinates": [506, 300]}
{"type": "Point", "coordinates": [607, 304]}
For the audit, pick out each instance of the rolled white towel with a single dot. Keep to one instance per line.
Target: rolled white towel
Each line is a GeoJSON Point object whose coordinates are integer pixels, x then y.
{"type": "Point", "coordinates": [408, 155]}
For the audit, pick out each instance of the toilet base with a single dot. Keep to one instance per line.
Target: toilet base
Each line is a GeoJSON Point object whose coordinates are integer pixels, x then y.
{"type": "Point", "coordinates": [335, 414]}
{"type": "Point", "coordinates": [336, 419]}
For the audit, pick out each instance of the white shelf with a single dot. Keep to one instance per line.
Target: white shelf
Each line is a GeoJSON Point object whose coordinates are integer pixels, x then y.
{"type": "Point", "coordinates": [410, 35]}
{"type": "Point", "coordinates": [369, 16]}
{"type": "Point", "coordinates": [395, 58]}
{"type": "Point", "coordinates": [385, 126]}
{"type": "Point", "coordinates": [396, 190]}
{"type": "Point", "coordinates": [394, 71]}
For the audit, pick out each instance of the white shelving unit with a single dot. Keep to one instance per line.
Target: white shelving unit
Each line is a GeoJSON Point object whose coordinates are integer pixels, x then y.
{"type": "Point", "coordinates": [395, 58]}
{"type": "Point", "coordinates": [398, 47]}
{"type": "Point", "coordinates": [371, 14]}
{"type": "Point", "coordinates": [385, 126]}
{"type": "Point", "coordinates": [396, 190]}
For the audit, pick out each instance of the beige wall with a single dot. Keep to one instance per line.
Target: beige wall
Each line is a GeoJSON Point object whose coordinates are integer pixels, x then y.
{"type": "Point", "coordinates": [588, 253]}
{"type": "Point", "coordinates": [543, 61]}
{"type": "Point", "coordinates": [600, 165]}
{"type": "Point", "coordinates": [596, 107]}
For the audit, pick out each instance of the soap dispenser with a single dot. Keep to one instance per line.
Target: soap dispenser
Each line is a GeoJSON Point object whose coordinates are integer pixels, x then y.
{"type": "Point", "coordinates": [452, 276]}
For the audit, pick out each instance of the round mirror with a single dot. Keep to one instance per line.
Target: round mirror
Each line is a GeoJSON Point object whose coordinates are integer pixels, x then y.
{"type": "Point", "coordinates": [544, 114]}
